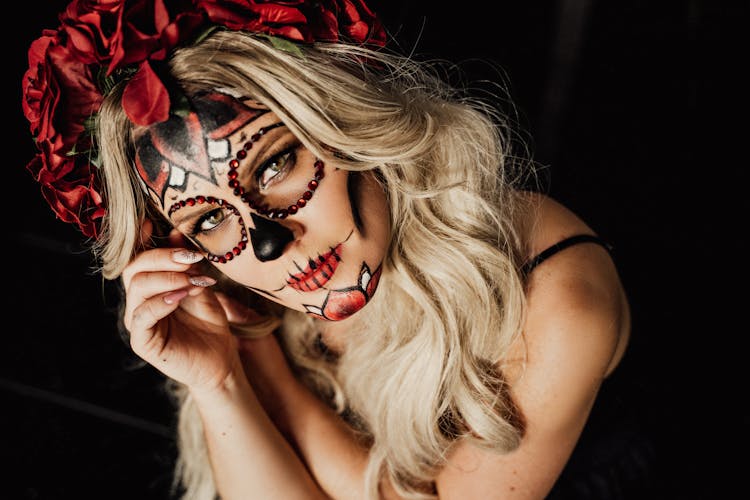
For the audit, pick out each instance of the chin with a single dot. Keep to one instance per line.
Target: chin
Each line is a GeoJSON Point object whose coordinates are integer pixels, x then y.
{"type": "Point", "coordinates": [342, 303]}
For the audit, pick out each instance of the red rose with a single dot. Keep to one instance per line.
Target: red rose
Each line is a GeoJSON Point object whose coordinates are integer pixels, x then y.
{"type": "Point", "coordinates": [117, 34]}
{"type": "Point", "coordinates": [93, 29]}
{"type": "Point", "coordinates": [34, 83]}
{"type": "Point", "coordinates": [58, 96]}
{"type": "Point", "coordinates": [74, 198]}
{"type": "Point", "coordinates": [151, 29]}
{"type": "Point", "coordinates": [299, 20]}
{"type": "Point", "coordinates": [350, 19]}
{"type": "Point", "coordinates": [54, 72]}
{"type": "Point", "coordinates": [278, 19]}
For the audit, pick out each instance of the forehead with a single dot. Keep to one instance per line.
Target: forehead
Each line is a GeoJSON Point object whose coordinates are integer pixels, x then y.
{"type": "Point", "coordinates": [167, 152]}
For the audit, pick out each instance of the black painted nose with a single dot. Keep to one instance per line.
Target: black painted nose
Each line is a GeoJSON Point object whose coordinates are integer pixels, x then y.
{"type": "Point", "coordinates": [269, 238]}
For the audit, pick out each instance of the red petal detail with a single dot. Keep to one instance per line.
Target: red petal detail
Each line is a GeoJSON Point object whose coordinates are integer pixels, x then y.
{"type": "Point", "coordinates": [373, 284]}
{"type": "Point", "coordinates": [145, 100]}
{"type": "Point", "coordinates": [341, 305]}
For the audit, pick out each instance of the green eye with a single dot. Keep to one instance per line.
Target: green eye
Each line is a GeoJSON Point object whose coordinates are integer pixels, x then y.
{"type": "Point", "coordinates": [272, 168]}
{"type": "Point", "coordinates": [211, 220]}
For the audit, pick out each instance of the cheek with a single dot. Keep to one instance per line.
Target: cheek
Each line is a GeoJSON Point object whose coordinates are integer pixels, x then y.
{"type": "Point", "coordinates": [331, 206]}
{"type": "Point", "coordinates": [372, 203]}
{"type": "Point", "coordinates": [262, 277]}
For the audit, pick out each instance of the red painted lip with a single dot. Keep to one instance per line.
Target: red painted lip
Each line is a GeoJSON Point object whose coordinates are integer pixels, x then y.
{"type": "Point", "coordinates": [318, 271]}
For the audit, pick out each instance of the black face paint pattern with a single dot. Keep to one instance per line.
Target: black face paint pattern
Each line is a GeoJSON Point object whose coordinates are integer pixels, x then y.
{"type": "Point", "coordinates": [268, 238]}
{"type": "Point", "coordinates": [353, 187]}
{"type": "Point", "coordinates": [168, 152]}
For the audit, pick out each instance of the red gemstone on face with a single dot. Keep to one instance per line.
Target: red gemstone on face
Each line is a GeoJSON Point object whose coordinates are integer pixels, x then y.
{"type": "Point", "coordinates": [241, 154]}
{"type": "Point", "coordinates": [307, 195]}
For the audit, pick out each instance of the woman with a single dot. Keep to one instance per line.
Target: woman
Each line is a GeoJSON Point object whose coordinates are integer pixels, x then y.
{"type": "Point", "coordinates": [330, 253]}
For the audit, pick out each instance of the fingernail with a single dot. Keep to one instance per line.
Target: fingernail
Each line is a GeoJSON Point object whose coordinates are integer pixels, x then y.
{"type": "Point", "coordinates": [175, 296]}
{"type": "Point", "coordinates": [202, 281]}
{"type": "Point", "coordinates": [184, 256]}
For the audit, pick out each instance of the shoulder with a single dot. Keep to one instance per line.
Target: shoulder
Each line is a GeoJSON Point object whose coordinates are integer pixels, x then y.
{"type": "Point", "coordinates": [577, 322]}
{"type": "Point", "coordinates": [576, 304]}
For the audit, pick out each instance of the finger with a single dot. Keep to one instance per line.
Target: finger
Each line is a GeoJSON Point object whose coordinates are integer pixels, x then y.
{"type": "Point", "coordinates": [145, 340]}
{"type": "Point", "coordinates": [160, 259]}
{"type": "Point", "coordinates": [145, 286]}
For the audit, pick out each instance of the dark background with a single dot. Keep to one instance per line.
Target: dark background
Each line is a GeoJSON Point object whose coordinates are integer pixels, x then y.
{"type": "Point", "coordinates": [635, 110]}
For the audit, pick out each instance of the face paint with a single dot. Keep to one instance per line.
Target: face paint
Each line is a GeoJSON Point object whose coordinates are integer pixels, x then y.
{"type": "Point", "coordinates": [168, 152]}
{"type": "Point", "coordinates": [341, 303]}
{"type": "Point", "coordinates": [269, 238]}
{"type": "Point", "coordinates": [231, 174]}
{"type": "Point", "coordinates": [224, 223]}
{"type": "Point", "coordinates": [318, 271]}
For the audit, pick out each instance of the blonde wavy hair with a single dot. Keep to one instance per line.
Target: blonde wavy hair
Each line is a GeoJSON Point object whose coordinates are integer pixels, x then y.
{"type": "Point", "coordinates": [420, 371]}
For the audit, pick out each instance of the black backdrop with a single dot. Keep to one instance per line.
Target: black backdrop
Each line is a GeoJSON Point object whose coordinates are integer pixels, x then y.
{"type": "Point", "coordinates": [635, 110]}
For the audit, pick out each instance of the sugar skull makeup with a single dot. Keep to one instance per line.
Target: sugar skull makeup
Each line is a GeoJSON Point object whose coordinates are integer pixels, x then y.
{"type": "Point", "coordinates": [235, 180]}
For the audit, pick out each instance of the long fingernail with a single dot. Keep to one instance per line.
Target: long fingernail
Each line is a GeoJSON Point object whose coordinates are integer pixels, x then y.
{"type": "Point", "coordinates": [184, 256]}
{"type": "Point", "coordinates": [202, 281]}
{"type": "Point", "coordinates": [175, 296]}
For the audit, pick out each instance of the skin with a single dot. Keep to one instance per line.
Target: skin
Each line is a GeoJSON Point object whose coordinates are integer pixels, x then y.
{"type": "Point", "coordinates": [324, 259]}
{"type": "Point", "coordinates": [269, 437]}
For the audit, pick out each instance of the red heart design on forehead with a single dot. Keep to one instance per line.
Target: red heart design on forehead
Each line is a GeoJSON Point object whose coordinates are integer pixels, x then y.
{"type": "Point", "coordinates": [168, 151]}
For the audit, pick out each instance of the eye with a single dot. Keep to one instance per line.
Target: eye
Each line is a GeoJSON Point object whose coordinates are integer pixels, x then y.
{"type": "Point", "coordinates": [272, 168]}
{"type": "Point", "coordinates": [209, 221]}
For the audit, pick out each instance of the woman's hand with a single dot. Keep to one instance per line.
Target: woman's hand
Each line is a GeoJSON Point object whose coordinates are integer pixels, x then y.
{"type": "Point", "coordinates": [175, 322]}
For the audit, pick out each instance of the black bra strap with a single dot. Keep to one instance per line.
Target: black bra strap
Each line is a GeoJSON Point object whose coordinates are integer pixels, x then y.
{"type": "Point", "coordinates": [572, 240]}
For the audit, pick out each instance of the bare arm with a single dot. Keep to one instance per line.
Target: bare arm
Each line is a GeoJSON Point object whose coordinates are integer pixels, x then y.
{"type": "Point", "coordinates": [249, 457]}
{"type": "Point", "coordinates": [323, 440]}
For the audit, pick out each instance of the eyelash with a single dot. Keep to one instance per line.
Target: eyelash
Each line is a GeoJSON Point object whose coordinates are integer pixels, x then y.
{"type": "Point", "coordinates": [274, 159]}
{"type": "Point", "coordinates": [195, 229]}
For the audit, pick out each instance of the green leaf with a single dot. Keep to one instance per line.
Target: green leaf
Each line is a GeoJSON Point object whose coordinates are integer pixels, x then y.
{"type": "Point", "coordinates": [283, 44]}
{"type": "Point", "coordinates": [179, 104]}
{"type": "Point", "coordinates": [204, 34]}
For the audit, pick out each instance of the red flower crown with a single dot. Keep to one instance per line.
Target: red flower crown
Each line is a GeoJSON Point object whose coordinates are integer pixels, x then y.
{"type": "Point", "coordinates": [101, 42]}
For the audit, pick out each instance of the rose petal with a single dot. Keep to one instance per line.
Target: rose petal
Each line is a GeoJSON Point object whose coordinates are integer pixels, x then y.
{"type": "Point", "coordinates": [145, 100]}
